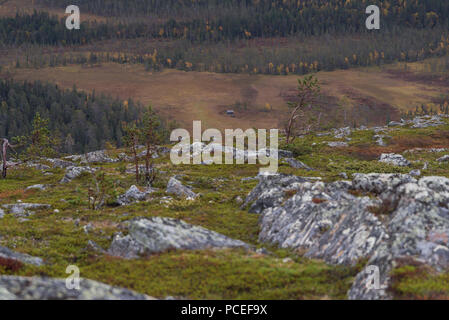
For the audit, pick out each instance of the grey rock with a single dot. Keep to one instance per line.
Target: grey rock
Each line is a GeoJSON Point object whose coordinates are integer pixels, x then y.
{"type": "Point", "coordinates": [99, 156]}
{"type": "Point", "coordinates": [297, 164]}
{"type": "Point", "coordinates": [263, 251]}
{"type": "Point", "coordinates": [41, 187]}
{"type": "Point", "coordinates": [426, 150]}
{"type": "Point", "coordinates": [75, 172]}
{"type": "Point", "coordinates": [271, 191]}
{"type": "Point", "coordinates": [124, 157]}
{"type": "Point", "coordinates": [22, 257]}
{"type": "Point", "coordinates": [394, 159]}
{"type": "Point", "coordinates": [285, 153]}
{"type": "Point", "coordinates": [425, 122]}
{"type": "Point", "coordinates": [337, 144]}
{"type": "Point", "coordinates": [59, 163]}
{"type": "Point", "coordinates": [379, 138]}
{"type": "Point", "coordinates": [395, 124]}
{"type": "Point", "coordinates": [175, 187]}
{"type": "Point", "coordinates": [2, 213]}
{"type": "Point", "coordinates": [325, 220]}
{"type": "Point", "coordinates": [23, 288]}
{"type": "Point", "coordinates": [378, 182]}
{"type": "Point", "coordinates": [88, 228]}
{"type": "Point", "coordinates": [38, 166]}
{"type": "Point", "coordinates": [342, 132]}
{"type": "Point", "coordinates": [153, 235]}
{"type": "Point", "coordinates": [92, 245]}
{"type": "Point", "coordinates": [132, 195]}
{"type": "Point", "coordinates": [249, 179]}
{"type": "Point", "coordinates": [343, 175]}
{"type": "Point", "coordinates": [415, 173]}
{"type": "Point", "coordinates": [444, 159]}
{"type": "Point", "coordinates": [238, 200]}
{"type": "Point", "coordinates": [24, 209]}
{"type": "Point", "coordinates": [328, 222]}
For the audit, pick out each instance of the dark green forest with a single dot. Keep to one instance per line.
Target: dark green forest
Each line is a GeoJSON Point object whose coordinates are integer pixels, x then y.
{"type": "Point", "coordinates": [200, 21]}
{"type": "Point", "coordinates": [262, 18]}
{"type": "Point", "coordinates": [90, 120]}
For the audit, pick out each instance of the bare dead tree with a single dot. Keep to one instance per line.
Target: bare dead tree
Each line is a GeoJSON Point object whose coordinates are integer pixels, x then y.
{"type": "Point", "coordinates": [308, 89]}
{"type": "Point", "coordinates": [5, 146]}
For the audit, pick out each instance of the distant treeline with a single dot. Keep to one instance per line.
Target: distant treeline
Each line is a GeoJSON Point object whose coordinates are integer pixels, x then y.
{"type": "Point", "coordinates": [219, 20]}
{"type": "Point", "coordinates": [81, 121]}
{"type": "Point", "coordinates": [294, 55]}
{"type": "Point", "coordinates": [231, 19]}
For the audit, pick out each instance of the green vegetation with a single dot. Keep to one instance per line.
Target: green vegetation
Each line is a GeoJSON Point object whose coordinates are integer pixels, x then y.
{"type": "Point", "coordinates": [60, 239]}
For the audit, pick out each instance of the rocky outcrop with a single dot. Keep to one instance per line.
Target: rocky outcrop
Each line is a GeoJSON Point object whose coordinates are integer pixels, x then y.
{"type": "Point", "coordinates": [40, 187]}
{"type": "Point", "coordinates": [401, 217]}
{"type": "Point", "coordinates": [337, 144]}
{"type": "Point", "coordinates": [153, 235]}
{"type": "Point", "coordinates": [22, 288]}
{"type": "Point", "coordinates": [271, 191]}
{"type": "Point", "coordinates": [380, 139]}
{"type": "Point", "coordinates": [132, 195]}
{"type": "Point", "coordinates": [175, 187]}
{"type": "Point", "coordinates": [75, 172]}
{"type": "Point", "coordinates": [444, 159]}
{"type": "Point", "coordinates": [297, 164]}
{"type": "Point", "coordinates": [99, 156]}
{"type": "Point", "coordinates": [22, 257]}
{"type": "Point", "coordinates": [58, 163]}
{"type": "Point", "coordinates": [394, 159]}
{"type": "Point", "coordinates": [419, 122]}
{"type": "Point", "coordinates": [24, 209]}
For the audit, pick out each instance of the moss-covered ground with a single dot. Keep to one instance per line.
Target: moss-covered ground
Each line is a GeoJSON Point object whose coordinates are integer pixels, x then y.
{"type": "Point", "coordinates": [60, 239]}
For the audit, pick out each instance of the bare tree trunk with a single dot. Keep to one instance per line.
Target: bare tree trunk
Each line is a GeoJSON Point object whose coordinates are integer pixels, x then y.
{"type": "Point", "coordinates": [5, 146]}
{"type": "Point", "coordinates": [136, 162]}
{"type": "Point", "coordinates": [147, 166]}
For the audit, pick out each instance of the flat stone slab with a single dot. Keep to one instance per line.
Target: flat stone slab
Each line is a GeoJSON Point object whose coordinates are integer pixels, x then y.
{"type": "Point", "coordinates": [22, 257]}
{"type": "Point", "coordinates": [153, 235]}
{"type": "Point", "coordinates": [24, 209]}
{"type": "Point", "coordinates": [24, 288]}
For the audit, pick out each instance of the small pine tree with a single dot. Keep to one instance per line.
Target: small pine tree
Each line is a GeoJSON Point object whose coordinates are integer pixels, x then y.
{"type": "Point", "coordinates": [40, 142]}
{"type": "Point", "coordinates": [150, 136]}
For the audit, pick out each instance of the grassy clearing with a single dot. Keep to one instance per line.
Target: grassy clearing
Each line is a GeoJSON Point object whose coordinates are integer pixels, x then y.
{"type": "Point", "coordinates": [367, 95]}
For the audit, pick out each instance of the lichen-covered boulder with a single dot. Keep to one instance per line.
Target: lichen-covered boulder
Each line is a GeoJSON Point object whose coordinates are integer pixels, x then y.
{"type": "Point", "coordinates": [443, 159]}
{"type": "Point", "coordinates": [75, 172]}
{"type": "Point", "coordinates": [22, 257]}
{"type": "Point", "coordinates": [271, 191]}
{"type": "Point", "coordinates": [99, 156]}
{"type": "Point", "coordinates": [24, 209]}
{"type": "Point", "coordinates": [36, 288]}
{"type": "Point", "coordinates": [153, 235]}
{"type": "Point", "coordinates": [175, 187]}
{"type": "Point", "coordinates": [296, 164]}
{"type": "Point", "coordinates": [399, 218]}
{"type": "Point", "coordinates": [394, 159]}
{"type": "Point", "coordinates": [132, 195]}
